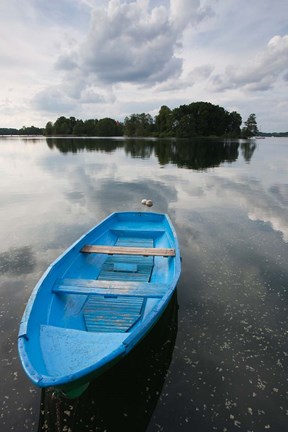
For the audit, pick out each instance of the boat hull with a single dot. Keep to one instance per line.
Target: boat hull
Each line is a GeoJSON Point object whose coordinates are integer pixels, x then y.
{"type": "Point", "coordinates": [98, 300]}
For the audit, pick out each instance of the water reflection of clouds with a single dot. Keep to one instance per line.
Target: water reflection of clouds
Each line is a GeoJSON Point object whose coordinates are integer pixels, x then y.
{"type": "Point", "coordinates": [96, 183]}
{"type": "Point", "coordinates": [103, 195]}
{"type": "Point", "coordinates": [81, 190]}
{"type": "Point", "coordinates": [225, 189]}
{"type": "Point", "coordinates": [33, 214]}
{"type": "Point", "coordinates": [191, 190]}
{"type": "Point", "coordinates": [92, 185]}
{"type": "Point", "coordinates": [260, 203]}
{"type": "Point", "coordinates": [277, 223]}
{"type": "Point", "coordinates": [17, 261]}
{"type": "Point", "coordinates": [280, 192]}
{"type": "Point", "coordinates": [64, 196]}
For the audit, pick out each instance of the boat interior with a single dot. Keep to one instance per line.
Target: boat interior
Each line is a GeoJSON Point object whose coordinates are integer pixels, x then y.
{"type": "Point", "coordinates": [112, 292]}
{"type": "Point", "coordinates": [98, 299]}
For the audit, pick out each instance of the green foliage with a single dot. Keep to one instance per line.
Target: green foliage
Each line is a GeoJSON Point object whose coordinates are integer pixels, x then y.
{"type": "Point", "coordinates": [274, 134]}
{"type": "Point", "coordinates": [164, 121]}
{"type": "Point", "coordinates": [250, 129]}
{"type": "Point", "coordinates": [138, 125]}
{"type": "Point", "coordinates": [9, 131]}
{"type": "Point", "coordinates": [108, 127]}
{"type": "Point", "coordinates": [30, 130]}
{"type": "Point", "coordinates": [64, 126]}
{"type": "Point", "coordinates": [49, 128]}
{"type": "Point", "coordinates": [88, 128]}
{"type": "Point", "coordinates": [234, 125]}
{"type": "Point", "coordinates": [197, 119]}
{"type": "Point", "coordinates": [186, 121]}
{"type": "Point", "coordinates": [92, 127]}
{"type": "Point", "coordinates": [79, 128]}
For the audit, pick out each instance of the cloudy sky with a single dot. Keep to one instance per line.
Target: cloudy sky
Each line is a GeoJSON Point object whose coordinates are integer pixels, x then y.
{"type": "Point", "coordinates": [98, 58]}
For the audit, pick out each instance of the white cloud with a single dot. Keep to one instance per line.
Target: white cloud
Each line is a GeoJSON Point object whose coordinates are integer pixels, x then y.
{"type": "Point", "coordinates": [186, 80]}
{"type": "Point", "coordinates": [189, 12]}
{"type": "Point", "coordinates": [127, 42]}
{"type": "Point", "coordinates": [52, 100]}
{"type": "Point", "coordinates": [98, 56]}
{"type": "Point", "coordinates": [260, 73]}
{"type": "Point", "coordinates": [63, 99]}
{"type": "Point", "coordinates": [134, 41]}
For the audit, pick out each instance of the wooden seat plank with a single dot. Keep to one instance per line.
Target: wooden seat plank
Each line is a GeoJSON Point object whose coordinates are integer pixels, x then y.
{"type": "Point", "coordinates": [108, 287]}
{"type": "Point", "coordinates": [121, 250]}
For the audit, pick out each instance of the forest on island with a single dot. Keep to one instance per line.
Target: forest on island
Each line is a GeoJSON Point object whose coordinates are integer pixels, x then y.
{"type": "Point", "coordinates": [198, 119]}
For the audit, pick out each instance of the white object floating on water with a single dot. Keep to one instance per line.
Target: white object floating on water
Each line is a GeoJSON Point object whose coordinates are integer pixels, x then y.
{"type": "Point", "coordinates": [146, 202]}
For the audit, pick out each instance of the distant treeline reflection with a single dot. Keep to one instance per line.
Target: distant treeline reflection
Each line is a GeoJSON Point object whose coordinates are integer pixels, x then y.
{"type": "Point", "coordinates": [197, 154]}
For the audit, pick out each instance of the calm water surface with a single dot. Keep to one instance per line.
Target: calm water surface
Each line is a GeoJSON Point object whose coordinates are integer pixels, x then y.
{"type": "Point", "coordinates": [218, 359]}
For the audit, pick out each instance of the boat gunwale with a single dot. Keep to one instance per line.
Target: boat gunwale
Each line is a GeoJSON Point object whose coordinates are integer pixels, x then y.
{"type": "Point", "coordinates": [43, 380]}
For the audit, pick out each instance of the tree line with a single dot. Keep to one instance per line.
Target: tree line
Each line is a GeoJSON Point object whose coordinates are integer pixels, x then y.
{"type": "Point", "coordinates": [195, 119]}
{"type": "Point", "coordinates": [31, 130]}
{"type": "Point", "coordinates": [198, 119]}
{"type": "Point", "coordinates": [91, 127]}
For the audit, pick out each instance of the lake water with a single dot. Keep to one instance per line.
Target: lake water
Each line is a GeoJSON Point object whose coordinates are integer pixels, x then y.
{"type": "Point", "coordinates": [218, 359]}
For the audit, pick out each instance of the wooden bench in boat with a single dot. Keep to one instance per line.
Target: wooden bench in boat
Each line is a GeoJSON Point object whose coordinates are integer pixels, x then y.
{"type": "Point", "coordinates": [124, 250]}
{"type": "Point", "coordinates": [109, 288]}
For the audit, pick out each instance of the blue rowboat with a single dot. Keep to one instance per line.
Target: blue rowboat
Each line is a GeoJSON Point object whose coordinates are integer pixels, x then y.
{"type": "Point", "coordinates": [98, 300]}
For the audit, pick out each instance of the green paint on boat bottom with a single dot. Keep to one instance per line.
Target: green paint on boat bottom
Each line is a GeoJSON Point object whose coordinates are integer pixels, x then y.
{"type": "Point", "coordinates": [74, 392]}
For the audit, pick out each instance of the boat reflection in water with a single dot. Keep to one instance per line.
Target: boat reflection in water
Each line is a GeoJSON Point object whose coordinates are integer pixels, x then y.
{"type": "Point", "coordinates": [123, 398]}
